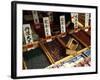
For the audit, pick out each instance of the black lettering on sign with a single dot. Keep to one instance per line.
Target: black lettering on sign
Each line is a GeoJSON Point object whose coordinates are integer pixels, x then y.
{"type": "Point", "coordinates": [27, 32]}
{"type": "Point", "coordinates": [29, 39]}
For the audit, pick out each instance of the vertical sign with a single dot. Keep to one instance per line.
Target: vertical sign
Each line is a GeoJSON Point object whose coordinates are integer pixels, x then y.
{"type": "Point", "coordinates": [28, 36]}
{"type": "Point", "coordinates": [36, 19]}
{"type": "Point", "coordinates": [74, 18]}
{"type": "Point", "coordinates": [86, 21]}
{"type": "Point", "coordinates": [62, 24]}
{"type": "Point", "coordinates": [47, 26]}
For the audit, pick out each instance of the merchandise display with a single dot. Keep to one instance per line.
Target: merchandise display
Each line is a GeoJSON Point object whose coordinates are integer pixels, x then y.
{"type": "Point", "coordinates": [56, 39]}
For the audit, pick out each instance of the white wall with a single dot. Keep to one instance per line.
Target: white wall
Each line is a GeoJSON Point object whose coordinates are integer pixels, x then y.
{"type": "Point", "coordinates": [5, 39]}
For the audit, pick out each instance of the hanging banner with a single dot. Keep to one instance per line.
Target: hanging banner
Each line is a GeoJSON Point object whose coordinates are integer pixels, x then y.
{"type": "Point", "coordinates": [28, 36]}
{"type": "Point", "coordinates": [36, 19]}
{"type": "Point", "coordinates": [47, 27]}
{"type": "Point", "coordinates": [74, 18]}
{"type": "Point", "coordinates": [62, 24]}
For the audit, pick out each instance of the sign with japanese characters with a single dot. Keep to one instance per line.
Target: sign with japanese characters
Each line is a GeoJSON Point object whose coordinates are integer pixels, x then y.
{"type": "Point", "coordinates": [86, 19]}
{"type": "Point", "coordinates": [36, 19]}
{"type": "Point", "coordinates": [62, 24]}
{"type": "Point", "coordinates": [47, 26]}
{"type": "Point", "coordinates": [28, 35]}
{"type": "Point", "coordinates": [74, 18]}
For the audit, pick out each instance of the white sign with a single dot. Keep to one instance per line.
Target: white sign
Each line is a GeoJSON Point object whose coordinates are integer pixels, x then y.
{"type": "Point", "coordinates": [74, 18]}
{"type": "Point", "coordinates": [87, 20]}
{"type": "Point", "coordinates": [36, 19]}
{"type": "Point", "coordinates": [28, 35]}
{"type": "Point", "coordinates": [47, 26]}
{"type": "Point", "coordinates": [62, 24]}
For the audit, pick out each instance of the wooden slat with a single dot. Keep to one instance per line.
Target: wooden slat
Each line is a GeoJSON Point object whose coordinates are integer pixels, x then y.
{"type": "Point", "coordinates": [47, 53]}
{"type": "Point", "coordinates": [79, 40]}
{"type": "Point", "coordinates": [70, 57]}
